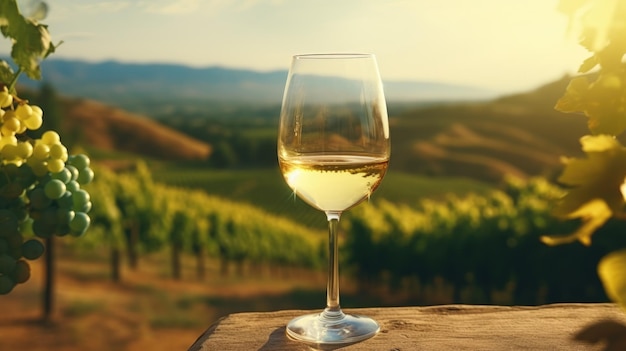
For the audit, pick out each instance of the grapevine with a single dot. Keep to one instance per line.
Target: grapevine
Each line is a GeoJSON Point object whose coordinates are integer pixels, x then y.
{"type": "Point", "coordinates": [597, 183]}
{"type": "Point", "coordinates": [40, 183]}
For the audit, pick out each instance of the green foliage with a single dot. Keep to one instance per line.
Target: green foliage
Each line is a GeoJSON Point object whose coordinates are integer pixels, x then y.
{"type": "Point", "coordinates": [597, 182]}
{"type": "Point", "coordinates": [489, 242]}
{"type": "Point", "coordinates": [190, 219]}
{"type": "Point", "coordinates": [31, 42]}
{"type": "Point", "coordinates": [593, 180]}
{"type": "Point", "coordinates": [611, 270]}
{"type": "Point", "coordinates": [265, 188]}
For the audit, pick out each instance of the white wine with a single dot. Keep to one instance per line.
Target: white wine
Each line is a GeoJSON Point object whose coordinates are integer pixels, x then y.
{"type": "Point", "coordinates": [333, 182]}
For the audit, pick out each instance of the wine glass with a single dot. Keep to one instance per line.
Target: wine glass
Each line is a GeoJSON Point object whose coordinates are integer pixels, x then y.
{"type": "Point", "coordinates": [333, 151]}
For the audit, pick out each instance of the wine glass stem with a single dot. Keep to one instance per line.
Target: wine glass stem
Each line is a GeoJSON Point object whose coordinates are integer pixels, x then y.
{"type": "Point", "coordinates": [332, 291]}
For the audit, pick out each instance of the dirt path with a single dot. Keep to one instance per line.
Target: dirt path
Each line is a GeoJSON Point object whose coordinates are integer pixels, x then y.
{"type": "Point", "coordinates": [147, 311]}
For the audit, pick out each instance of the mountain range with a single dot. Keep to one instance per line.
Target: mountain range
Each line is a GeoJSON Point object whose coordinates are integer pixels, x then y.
{"type": "Point", "coordinates": [116, 83]}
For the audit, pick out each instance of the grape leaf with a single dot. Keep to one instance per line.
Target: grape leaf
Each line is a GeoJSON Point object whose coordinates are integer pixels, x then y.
{"type": "Point", "coordinates": [34, 46]}
{"type": "Point", "coordinates": [8, 13]}
{"type": "Point", "coordinates": [31, 40]}
{"type": "Point", "coordinates": [588, 64]}
{"type": "Point", "coordinates": [574, 98]}
{"type": "Point", "coordinates": [593, 213]}
{"type": "Point", "coordinates": [612, 272]}
{"type": "Point", "coordinates": [605, 104]}
{"type": "Point", "coordinates": [596, 183]}
{"type": "Point", "coordinates": [602, 101]}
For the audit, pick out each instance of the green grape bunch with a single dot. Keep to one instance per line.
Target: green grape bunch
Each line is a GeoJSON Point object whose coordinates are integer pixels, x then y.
{"type": "Point", "coordinates": [40, 189]}
{"type": "Point", "coordinates": [40, 182]}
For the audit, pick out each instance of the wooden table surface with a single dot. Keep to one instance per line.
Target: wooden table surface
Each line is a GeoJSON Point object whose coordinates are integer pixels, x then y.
{"type": "Point", "coordinates": [445, 327]}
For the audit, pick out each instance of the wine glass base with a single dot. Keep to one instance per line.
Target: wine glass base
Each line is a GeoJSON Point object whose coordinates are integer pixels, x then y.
{"type": "Point", "coordinates": [318, 329]}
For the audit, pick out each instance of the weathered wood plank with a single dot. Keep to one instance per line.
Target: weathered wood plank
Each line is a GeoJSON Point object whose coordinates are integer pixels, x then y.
{"type": "Point", "coordinates": [446, 327]}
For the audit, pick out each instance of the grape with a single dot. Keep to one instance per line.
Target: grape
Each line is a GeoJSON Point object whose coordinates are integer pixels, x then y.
{"type": "Point", "coordinates": [64, 217]}
{"type": "Point", "coordinates": [79, 223]}
{"type": "Point", "coordinates": [6, 99]}
{"type": "Point", "coordinates": [63, 175]}
{"type": "Point", "coordinates": [21, 273]}
{"type": "Point", "coordinates": [44, 179]}
{"type": "Point", "coordinates": [73, 170]}
{"type": "Point", "coordinates": [32, 249]}
{"type": "Point", "coordinates": [85, 176]}
{"type": "Point", "coordinates": [7, 140]}
{"type": "Point", "coordinates": [54, 189]}
{"type": "Point", "coordinates": [11, 124]}
{"type": "Point", "coordinates": [9, 152]}
{"type": "Point", "coordinates": [9, 234]}
{"type": "Point", "coordinates": [23, 111]}
{"type": "Point", "coordinates": [41, 151]}
{"type": "Point", "coordinates": [15, 240]}
{"type": "Point", "coordinates": [7, 264]}
{"type": "Point", "coordinates": [11, 171]}
{"type": "Point", "coordinates": [6, 285]}
{"type": "Point", "coordinates": [80, 198]}
{"type": "Point", "coordinates": [65, 201]}
{"type": "Point", "coordinates": [12, 190]}
{"type": "Point", "coordinates": [24, 149]}
{"type": "Point", "coordinates": [23, 128]}
{"type": "Point", "coordinates": [34, 122]}
{"type": "Point", "coordinates": [24, 171]}
{"type": "Point", "coordinates": [79, 161]}
{"type": "Point", "coordinates": [50, 137]}
{"type": "Point", "coordinates": [58, 151]}
{"type": "Point", "coordinates": [38, 199]}
{"type": "Point", "coordinates": [55, 165]}
{"type": "Point", "coordinates": [73, 186]}
{"type": "Point", "coordinates": [40, 168]}
{"type": "Point", "coordinates": [37, 111]}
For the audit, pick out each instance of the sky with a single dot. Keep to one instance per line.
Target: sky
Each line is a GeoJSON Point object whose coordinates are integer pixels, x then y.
{"type": "Point", "coordinates": [502, 45]}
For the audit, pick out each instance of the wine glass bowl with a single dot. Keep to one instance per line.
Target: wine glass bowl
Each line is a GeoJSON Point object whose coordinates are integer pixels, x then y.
{"type": "Point", "coordinates": [333, 151]}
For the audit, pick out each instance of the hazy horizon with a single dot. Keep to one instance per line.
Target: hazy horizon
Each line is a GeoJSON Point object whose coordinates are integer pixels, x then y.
{"type": "Point", "coordinates": [505, 46]}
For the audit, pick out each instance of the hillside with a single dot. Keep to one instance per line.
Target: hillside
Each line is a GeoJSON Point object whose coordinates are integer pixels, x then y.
{"type": "Point", "coordinates": [520, 135]}
{"type": "Point", "coordinates": [108, 128]}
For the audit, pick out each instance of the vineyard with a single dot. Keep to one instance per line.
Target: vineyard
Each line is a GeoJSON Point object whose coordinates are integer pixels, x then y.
{"type": "Point", "coordinates": [132, 215]}
{"type": "Point", "coordinates": [486, 248]}
{"type": "Point", "coordinates": [194, 257]}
